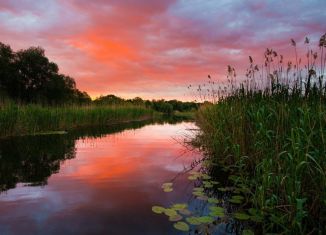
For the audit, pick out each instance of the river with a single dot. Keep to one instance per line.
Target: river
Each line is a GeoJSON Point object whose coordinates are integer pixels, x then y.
{"type": "Point", "coordinates": [94, 180]}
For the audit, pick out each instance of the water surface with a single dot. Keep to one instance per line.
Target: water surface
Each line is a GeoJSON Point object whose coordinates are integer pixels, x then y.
{"type": "Point", "coordinates": [93, 181]}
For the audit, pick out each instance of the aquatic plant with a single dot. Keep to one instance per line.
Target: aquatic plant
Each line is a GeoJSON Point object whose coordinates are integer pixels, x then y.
{"type": "Point", "coordinates": [35, 119]}
{"type": "Point", "coordinates": [268, 131]}
{"type": "Point", "coordinates": [214, 210]}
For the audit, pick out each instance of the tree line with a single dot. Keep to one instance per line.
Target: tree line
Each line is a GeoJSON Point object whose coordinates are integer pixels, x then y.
{"type": "Point", "coordinates": [28, 76]}
{"type": "Point", "coordinates": [164, 106]}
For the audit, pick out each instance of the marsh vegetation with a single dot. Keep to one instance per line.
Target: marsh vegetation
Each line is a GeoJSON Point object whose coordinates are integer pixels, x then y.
{"type": "Point", "coordinates": [269, 132]}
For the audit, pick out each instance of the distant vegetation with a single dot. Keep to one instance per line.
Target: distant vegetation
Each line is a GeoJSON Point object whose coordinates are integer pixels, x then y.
{"type": "Point", "coordinates": [36, 119]}
{"type": "Point", "coordinates": [35, 97]}
{"type": "Point", "coordinates": [269, 133]}
{"type": "Point", "coordinates": [163, 106]}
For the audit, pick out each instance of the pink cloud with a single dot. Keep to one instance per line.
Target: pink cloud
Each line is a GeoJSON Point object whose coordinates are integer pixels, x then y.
{"type": "Point", "coordinates": [155, 49]}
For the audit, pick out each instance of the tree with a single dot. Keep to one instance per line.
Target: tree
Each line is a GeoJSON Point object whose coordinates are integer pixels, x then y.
{"type": "Point", "coordinates": [35, 73]}
{"type": "Point", "coordinates": [7, 70]}
{"type": "Point", "coordinates": [29, 76]}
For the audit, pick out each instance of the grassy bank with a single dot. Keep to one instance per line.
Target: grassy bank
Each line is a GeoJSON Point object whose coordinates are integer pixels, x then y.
{"type": "Point", "coordinates": [273, 142]}
{"type": "Point", "coordinates": [30, 119]}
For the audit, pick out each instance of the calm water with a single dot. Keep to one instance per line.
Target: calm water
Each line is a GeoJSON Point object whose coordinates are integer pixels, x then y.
{"type": "Point", "coordinates": [94, 181]}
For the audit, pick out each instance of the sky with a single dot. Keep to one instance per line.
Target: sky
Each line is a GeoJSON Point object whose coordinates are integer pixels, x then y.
{"type": "Point", "coordinates": [156, 48]}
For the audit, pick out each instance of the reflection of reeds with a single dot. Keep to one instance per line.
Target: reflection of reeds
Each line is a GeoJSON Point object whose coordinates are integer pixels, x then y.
{"type": "Point", "coordinates": [29, 119]}
{"type": "Point", "coordinates": [270, 130]}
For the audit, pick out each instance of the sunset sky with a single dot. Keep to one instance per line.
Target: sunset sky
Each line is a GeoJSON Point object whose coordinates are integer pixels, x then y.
{"type": "Point", "coordinates": [156, 48]}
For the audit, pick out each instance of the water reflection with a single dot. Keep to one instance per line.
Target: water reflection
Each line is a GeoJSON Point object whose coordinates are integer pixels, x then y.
{"type": "Point", "coordinates": [92, 182]}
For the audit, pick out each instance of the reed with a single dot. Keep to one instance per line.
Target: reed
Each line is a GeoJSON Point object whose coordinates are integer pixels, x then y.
{"type": "Point", "coordinates": [270, 132]}
{"type": "Point", "coordinates": [33, 119]}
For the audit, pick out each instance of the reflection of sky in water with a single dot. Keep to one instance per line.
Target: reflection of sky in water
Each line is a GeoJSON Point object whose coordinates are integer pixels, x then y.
{"type": "Point", "coordinates": [108, 188]}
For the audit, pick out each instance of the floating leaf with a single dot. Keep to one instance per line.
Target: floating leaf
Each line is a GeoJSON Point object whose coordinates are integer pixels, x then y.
{"type": "Point", "coordinates": [198, 194]}
{"type": "Point", "coordinates": [167, 185]}
{"type": "Point", "coordinates": [208, 184]}
{"type": "Point", "coordinates": [222, 189]}
{"type": "Point", "coordinates": [179, 206]}
{"type": "Point", "coordinates": [158, 209]}
{"type": "Point", "coordinates": [185, 212]}
{"type": "Point", "coordinates": [241, 216]}
{"type": "Point", "coordinates": [198, 189]}
{"type": "Point", "coordinates": [237, 197]}
{"type": "Point", "coordinates": [213, 200]}
{"type": "Point", "coordinates": [216, 211]}
{"type": "Point", "coordinates": [167, 190]}
{"type": "Point", "coordinates": [193, 220]}
{"type": "Point", "coordinates": [170, 212]}
{"type": "Point", "coordinates": [175, 218]}
{"type": "Point", "coordinates": [206, 219]}
{"type": "Point", "coordinates": [235, 201]}
{"type": "Point", "coordinates": [248, 232]}
{"type": "Point", "coordinates": [203, 198]}
{"type": "Point", "coordinates": [192, 177]}
{"type": "Point", "coordinates": [182, 226]}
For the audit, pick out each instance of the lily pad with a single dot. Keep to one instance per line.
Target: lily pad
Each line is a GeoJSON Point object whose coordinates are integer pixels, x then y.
{"type": "Point", "coordinates": [167, 185]}
{"type": "Point", "coordinates": [182, 226]}
{"type": "Point", "coordinates": [185, 212]}
{"type": "Point", "coordinates": [241, 216]}
{"type": "Point", "coordinates": [213, 200]}
{"type": "Point", "coordinates": [216, 211]}
{"type": "Point", "coordinates": [203, 198]}
{"type": "Point", "coordinates": [175, 218]}
{"type": "Point", "coordinates": [170, 212]}
{"type": "Point", "coordinates": [222, 189]}
{"type": "Point", "coordinates": [179, 206]}
{"type": "Point", "coordinates": [193, 220]}
{"type": "Point", "coordinates": [237, 197]}
{"type": "Point", "coordinates": [199, 189]}
{"type": "Point", "coordinates": [235, 201]}
{"type": "Point", "coordinates": [158, 209]}
{"type": "Point", "coordinates": [192, 177]}
{"type": "Point", "coordinates": [208, 184]}
{"type": "Point", "coordinates": [167, 190]}
{"type": "Point", "coordinates": [206, 219]}
{"type": "Point", "coordinates": [198, 194]}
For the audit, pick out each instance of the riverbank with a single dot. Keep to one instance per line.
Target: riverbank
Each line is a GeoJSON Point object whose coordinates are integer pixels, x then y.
{"type": "Point", "coordinates": [34, 119]}
{"type": "Point", "coordinates": [275, 146]}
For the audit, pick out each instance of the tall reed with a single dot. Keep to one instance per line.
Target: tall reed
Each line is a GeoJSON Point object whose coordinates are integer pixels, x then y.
{"type": "Point", "coordinates": [269, 130]}
{"type": "Point", "coordinates": [30, 119]}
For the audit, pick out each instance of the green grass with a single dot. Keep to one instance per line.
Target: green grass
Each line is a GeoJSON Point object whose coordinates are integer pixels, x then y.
{"type": "Point", "coordinates": [274, 141]}
{"type": "Point", "coordinates": [34, 119]}
{"type": "Point", "coordinates": [187, 115]}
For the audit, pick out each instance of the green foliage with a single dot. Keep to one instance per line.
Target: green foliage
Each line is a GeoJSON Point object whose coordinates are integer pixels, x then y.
{"type": "Point", "coordinates": [32, 119]}
{"type": "Point", "coordinates": [272, 139]}
{"type": "Point", "coordinates": [182, 226]}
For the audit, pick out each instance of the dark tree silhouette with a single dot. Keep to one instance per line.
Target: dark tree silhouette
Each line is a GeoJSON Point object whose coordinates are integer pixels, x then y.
{"type": "Point", "coordinates": [28, 76]}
